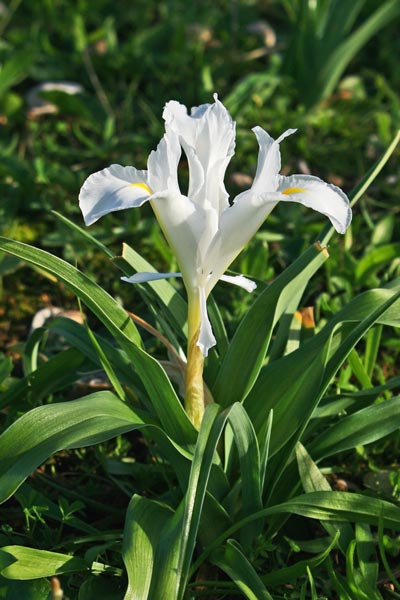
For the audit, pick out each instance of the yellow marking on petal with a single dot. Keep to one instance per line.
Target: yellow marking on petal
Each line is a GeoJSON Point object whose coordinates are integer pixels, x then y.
{"type": "Point", "coordinates": [289, 191]}
{"type": "Point", "coordinates": [144, 186]}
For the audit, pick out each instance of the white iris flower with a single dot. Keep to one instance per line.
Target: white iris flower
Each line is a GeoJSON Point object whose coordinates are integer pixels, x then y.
{"type": "Point", "coordinates": [205, 231]}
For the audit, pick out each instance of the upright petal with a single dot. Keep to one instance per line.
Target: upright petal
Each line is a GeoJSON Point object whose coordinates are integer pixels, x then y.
{"type": "Point", "coordinates": [208, 139]}
{"type": "Point", "coordinates": [323, 197]}
{"type": "Point", "coordinates": [111, 189]}
{"type": "Point", "coordinates": [269, 161]}
{"type": "Point", "coordinates": [163, 163]}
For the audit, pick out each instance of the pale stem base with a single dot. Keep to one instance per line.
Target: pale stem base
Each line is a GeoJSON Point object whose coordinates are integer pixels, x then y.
{"type": "Point", "coordinates": [194, 386]}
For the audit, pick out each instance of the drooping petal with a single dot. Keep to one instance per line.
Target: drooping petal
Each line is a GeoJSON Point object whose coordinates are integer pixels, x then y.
{"type": "Point", "coordinates": [111, 189]}
{"type": "Point", "coordinates": [151, 276]}
{"type": "Point", "coordinates": [241, 281]}
{"type": "Point", "coordinates": [206, 337]}
{"type": "Point", "coordinates": [323, 197]}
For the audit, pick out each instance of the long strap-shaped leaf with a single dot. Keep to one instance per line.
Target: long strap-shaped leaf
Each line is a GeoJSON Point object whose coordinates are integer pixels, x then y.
{"type": "Point", "coordinates": [174, 304]}
{"type": "Point", "coordinates": [177, 541]}
{"type": "Point", "coordinates": [311, 367]}
{"type": "Point", "coordinates": [166, 403]}
{"type": "Point", "coordinates": [294, 398]}
{"type": "Point", "coordinates": [144, 521]}
{"type": "Point", "coordinates": [233, 561]}
{"type": "Point", "coordinates": [170, 550]}
{"type": "Point", "coordinates": [362, 427]}
{"type": "Point", "coordinates": [163, 290]}
{"type": "Point", "coordinates": [324, 506]}
{"type": "Point", "coordinates": [41, 432]}
{"type": "Point", "coordinates": [246, 352]}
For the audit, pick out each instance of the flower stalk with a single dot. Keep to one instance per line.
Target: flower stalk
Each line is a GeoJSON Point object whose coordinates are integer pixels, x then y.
{"type": "Point", "coordinates": [194, 386]}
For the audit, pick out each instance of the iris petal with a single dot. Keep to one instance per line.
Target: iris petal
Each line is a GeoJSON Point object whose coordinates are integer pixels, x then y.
{"type": "Point", "coordinates": [241, 281]}
{"type": "Point", "coordinates": [318, 195]}
{"type": "Point", "coordinates": [111, 189]}
{"type": "Point", "coordinates": [206, 337]}
{"type": "Point", "coordinates": [269, 160]}
{"type": "Point", "coordinates": [144, 277]}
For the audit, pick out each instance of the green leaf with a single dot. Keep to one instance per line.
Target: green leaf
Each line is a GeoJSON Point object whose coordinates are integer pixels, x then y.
{"type": "Point", "coordinates": [28, 496]}
{"type": "Point", "coordinates": [38, 589]}
{"type": "Point", "coordinates": [162, 290]}
{"type": "Point", "coordinates": [57, 373]}
{"type": "Point", "coordinates": [299, 569]}
{"type": "Point", "coordinates": [161, 393]}
{"type": "Point", "coordinates": [372, 348]}
{"type": "Point", "coordinates": [363, 427]}
{"type": "Point", "coordinates": [177, 540]}
{"type": "Point", "coordinates": [323, 506]}
{"type": "Point", "coordinates": [311, 477]}
{"type": "Point", "coordinates": [41, 432]}
{"type": "Point", "coordinates": [369, 566]}
{"type": "Point", "coordinates": [234, 563]}
{"type": "Point", "coordinates": [249, 457]}
{"type": "Point", "coordinates": [77, 336]}
{"type": "Point", "coordinates": [375, 259]}
{"type": "Point", "coordinates": [6, 366]}
{"type": "Point", "coordinates": [313, 481]}
{"type": "Point", "coordinates": [15, 70]}
{"type": "Point", "coordinates": [29, 563]}
{"type": "Point", "coordinates": [246, 352]}
{"type": "Point", "coordinates": [106, 363]}
{"type": "Point", "coordinates": [293, 385]}
{"type": "Point", "coordinates": [31, 350]}
{"type": "Point", "coordinates": [265, 438]}
{"type": "Point", "coordinates": [333, 405]}
{"type": "Point", "coordinates": [344, 53]}
{"type": "Point", "coordinates": [144, 521]}
{"type": "Point", "coordinates": [84, 234]}
{"type": "Point", "coordinates": [95, 298]}
{"type": "Point", "coordinates": [358, 369]}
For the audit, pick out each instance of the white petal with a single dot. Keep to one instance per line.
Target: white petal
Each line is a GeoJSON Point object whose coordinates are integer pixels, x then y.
{"type": "Point", "coordinates": [208, 138]}
{"type": "Point", "coordinates": [111, 189]}
{"type": "Point", "coordinates": [318, 195]}
{"type": "Point", "coordinates": [237, 225]}
{"type": "Point", "coordinates": [183, 225]}
{"type": "Point", "coordinates": [144, 277]}
{"type": "Point", "coordinates": [241, 281]}
{"type": "Point", "coordinates": [269, 161]}
{"type": "Point", "coordinates": [206, 337]}
{"type": "Point", "coordinates": [163, 163]}
{"type": "Point", "coordinates": [177, 120]}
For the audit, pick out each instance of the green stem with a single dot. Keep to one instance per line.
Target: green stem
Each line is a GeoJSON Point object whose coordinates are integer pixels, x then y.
{"type": "Point", "coordinates": [194, 387]}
